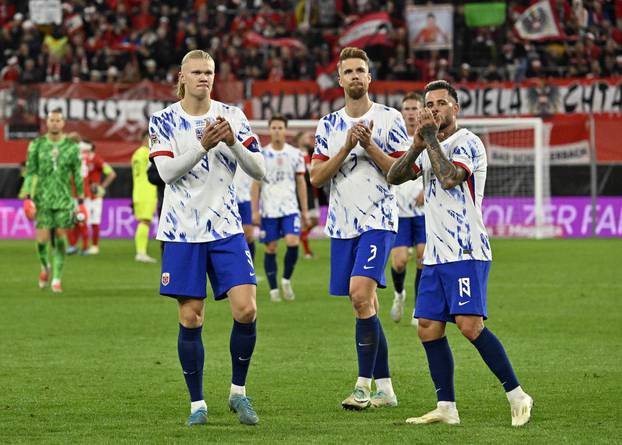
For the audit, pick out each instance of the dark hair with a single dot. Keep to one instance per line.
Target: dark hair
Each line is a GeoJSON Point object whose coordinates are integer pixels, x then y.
{"type": "Point", "coordinates": [56, 110]}
{"type": "Point", "coordinates": [413, 95]}
{"type": "Point", "coordinates": [278, 117]}
{"type": "Point", "coordinates": [90, 142]}
{"type": "Point", "coordinates": [441, 85]}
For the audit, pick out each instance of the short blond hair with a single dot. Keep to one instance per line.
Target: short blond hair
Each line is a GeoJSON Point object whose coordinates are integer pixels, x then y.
{"type": "Point", "coordinates": [353, 53]}
{"type": "Point", "coordinates": [194, 54]}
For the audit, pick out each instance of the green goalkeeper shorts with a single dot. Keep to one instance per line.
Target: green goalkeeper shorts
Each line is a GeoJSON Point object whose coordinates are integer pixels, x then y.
{"type": "Point", "coordinates": [55, 218]}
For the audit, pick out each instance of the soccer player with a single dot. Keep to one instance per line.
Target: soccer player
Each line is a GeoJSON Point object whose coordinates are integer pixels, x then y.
{"type": "Point", "coordinates": [198, 143]}
{"type": "Point", "coordinates": [275, 206]}
{"type": "Point", "coordinates": [457, 256]}
{"type": "Point", "coordinates": [53, 159]}
{"type": "Point", "coordinates": [354, 149]}
{"type": "Point", "coordinates": [96, 167]}
{"type": "Point", "coordinates": [304, 141]}
{"type": "Point", "coordinates": [243, 184]}
{"type": "Point", "coordinates": [144, 200]}
{"type": "Point", "coordinates": [411, 227]}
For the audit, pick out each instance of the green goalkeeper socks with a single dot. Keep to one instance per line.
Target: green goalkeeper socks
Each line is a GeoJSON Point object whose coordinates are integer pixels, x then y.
{"type": "Point", "coordinates": [43, 253]}
{"type": "Point", "coordinates": [142, 237]}
{"type": "Point", "coordinates": [58, 259]}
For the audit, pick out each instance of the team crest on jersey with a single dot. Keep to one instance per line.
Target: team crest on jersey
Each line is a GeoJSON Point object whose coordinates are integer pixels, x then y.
{"type": "Point", "coordinates": [199, 131]}
{"type": "Point", "coordinates": [166, 278]}
{"type": "Point", "coordinates": [154, 139]}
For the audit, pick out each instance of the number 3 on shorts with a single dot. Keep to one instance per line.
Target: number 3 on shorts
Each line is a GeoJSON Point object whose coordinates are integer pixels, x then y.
{"type": "Point", "coordinates": [373, 249]}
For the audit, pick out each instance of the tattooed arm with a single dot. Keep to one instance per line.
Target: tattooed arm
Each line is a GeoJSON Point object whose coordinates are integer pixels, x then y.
{"type": "Point", "coordinates": [448, 174]}
{"type": "Point", "coordinates": [402, 170]}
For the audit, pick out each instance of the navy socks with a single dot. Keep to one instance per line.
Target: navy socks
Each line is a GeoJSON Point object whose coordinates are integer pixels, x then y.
{"type": "Point", "coordinates": [241, 346]}
{"type": "Point", "coordinates": [191, 357]}
{"type": "Point", "coordinates": [441, 364]}
{"type": "Point", "coordinates": [398, 279]}
{"type": "Point", "coordinates": [493, 353]}
{"type": "Point", "coordinates": [381, 367]}
{"type": "Point", "coordinates": [269, 264]}
{"type": "Point", "coordinates": [291, 256]}
{"type": "Point", "coordinates": [367, 334]}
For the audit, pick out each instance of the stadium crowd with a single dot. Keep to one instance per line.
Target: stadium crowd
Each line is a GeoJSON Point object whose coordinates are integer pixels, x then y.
{"type": "Point", "coordinates": [130, 40]}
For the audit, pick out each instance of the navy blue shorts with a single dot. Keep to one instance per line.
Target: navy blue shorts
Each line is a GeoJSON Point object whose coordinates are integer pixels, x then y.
{"type": "Point", "coordinates": [419, 229]}
{"type": "Point", "coordinates": [246, 212]}
{"type": "Point", "coordinates": [410, 231]}
{"type": "Point", "coordinates": [227, 262]}
{"type": "Point", "coordinates": [451, 289]}
{"type": "Point", "coordinates": [273, 229]}
{"type": "Point", "coordinates": [365, 256]}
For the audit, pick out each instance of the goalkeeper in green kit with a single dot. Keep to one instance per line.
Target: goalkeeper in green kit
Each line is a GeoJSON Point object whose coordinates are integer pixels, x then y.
{"type": "Point", "coordinates": [53, 160]}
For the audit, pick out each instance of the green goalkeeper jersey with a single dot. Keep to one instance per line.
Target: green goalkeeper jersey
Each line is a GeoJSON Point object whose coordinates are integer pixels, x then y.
{"type": "Point", "coordinates": [54, 164]}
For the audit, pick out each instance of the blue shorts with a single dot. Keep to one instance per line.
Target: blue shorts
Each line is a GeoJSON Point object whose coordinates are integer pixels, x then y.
{"type": "Point", "coordinates": [227, 262]}
{"type": "Point", "coordinates": [451, 289]}
{"type": "Point", "coordinates": [410, 231]}
{"type": "Point", "coordinates": [246, 212]}
{"type": "Point", "coordinates": [273, 229]}
{"type": "Point", "coordinates": [419, 229]}
{"type": "Point", "coordinates": [365, 256]}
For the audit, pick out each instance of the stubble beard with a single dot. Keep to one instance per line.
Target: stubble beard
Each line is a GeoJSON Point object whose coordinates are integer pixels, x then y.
{"type": "Point", "coordinates": [356, 92]}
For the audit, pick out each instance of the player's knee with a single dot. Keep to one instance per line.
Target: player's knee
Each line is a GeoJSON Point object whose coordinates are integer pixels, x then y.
{"type": "Point", "coordinates": [471, 330]}
{"type": "Point", "coordinates": [361, 302]}
{"type": "Point", "coordinates": [428, 330]}
{"type": "Point", "coordinates": [191, 320]}
{"type": "Point", "coordinates": [399, 265]}
{"type": "Point", "coordinates": [246, 313]}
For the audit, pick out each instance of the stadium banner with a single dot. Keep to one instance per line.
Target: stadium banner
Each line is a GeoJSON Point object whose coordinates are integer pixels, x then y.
{"type": "Point", "coordinates": [430, 27]}
{"type": "Point", "coordinates": [369, 30]}
{"type": "Point", "coordinates": [566, 217]}
{"type": "Point", "coordinates": [538, 23]}
{"type": "Point", "coordinates": [305, 100]}
{"type": "Point", "coordinates": [114, 115]}
{"type": "Point", "coordinates": [117, 220]}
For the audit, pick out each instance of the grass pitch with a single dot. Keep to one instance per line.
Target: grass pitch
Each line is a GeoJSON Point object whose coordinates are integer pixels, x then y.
{"type": "Point", "coordinates": [98, 363]}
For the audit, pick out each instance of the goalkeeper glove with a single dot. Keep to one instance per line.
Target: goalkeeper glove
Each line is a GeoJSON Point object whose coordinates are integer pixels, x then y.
{"type": "Point", "coordinates": [30, 210]}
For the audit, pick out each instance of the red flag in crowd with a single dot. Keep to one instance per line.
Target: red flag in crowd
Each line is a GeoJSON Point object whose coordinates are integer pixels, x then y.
{"type": "Point", "coordinates": [371, 29]}
{"type": "Point", "coordinates": [538, 23]}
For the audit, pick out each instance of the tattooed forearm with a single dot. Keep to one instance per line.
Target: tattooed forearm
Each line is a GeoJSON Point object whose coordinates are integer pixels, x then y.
{"type": "Point", "coordinates": [448, 174]}
{"type": "Point", "coordinates": [402, 170]}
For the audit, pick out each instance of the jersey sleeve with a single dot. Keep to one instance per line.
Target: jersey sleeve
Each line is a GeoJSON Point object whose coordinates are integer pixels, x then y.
{"type": "Point", "coordinates": [77, 170]}
{"type": "Point", "coordinates": [159, 141]}
{"type": "Point", "coordinates": [244, 133]}
{"type": "Point", "coordinates": [320, 150]}
{"type": "Point", "coordinates": [398, 141]}
{"type": "Point", "coordinates": [463, 156]}
{"type": "Point", "coordinates": [32, 167]}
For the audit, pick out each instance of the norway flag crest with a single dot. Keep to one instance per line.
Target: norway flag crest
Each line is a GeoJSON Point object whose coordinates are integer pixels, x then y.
{"type": "Point", "coordinates": [252, 144]}
{"type": "Point", "coordinates": [166, 278]}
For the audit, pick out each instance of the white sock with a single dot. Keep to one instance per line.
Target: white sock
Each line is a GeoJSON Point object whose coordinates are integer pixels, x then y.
{"type": "Point", "coordinates": [237, 390]}
{"type": "Point", "coordinates": [196, 405]}
{"type": "Point", "coordinates": [516, 393]}
{"type": "Point", "coordinates": [385, 386]}
{"type": "Point", "coordinates": [363, 382]}
{"type": "Point", "coordinates": [447, 405]}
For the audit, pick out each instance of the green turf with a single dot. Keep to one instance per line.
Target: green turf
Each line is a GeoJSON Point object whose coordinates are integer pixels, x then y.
{"type": "Point", "coordinates": [98, 363]}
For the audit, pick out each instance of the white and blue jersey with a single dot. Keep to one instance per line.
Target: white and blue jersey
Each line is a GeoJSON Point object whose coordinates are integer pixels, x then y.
{"type": "Point", "coordinates": [278, 187]}
{"type": "Point", "coordinates": [360, 197]}
{"type": "Point", "coordinates": [201, 206]}
{"type": "Point", "coordinates": [455, 228]}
